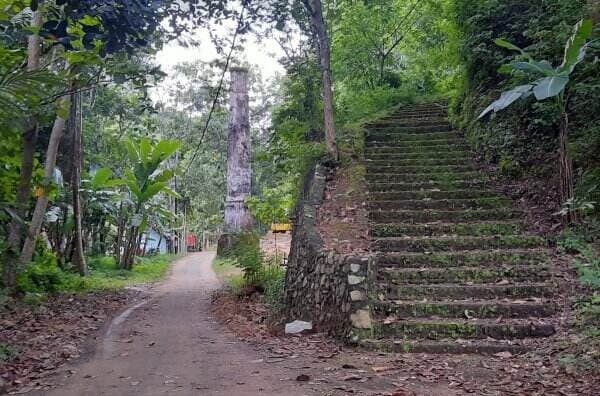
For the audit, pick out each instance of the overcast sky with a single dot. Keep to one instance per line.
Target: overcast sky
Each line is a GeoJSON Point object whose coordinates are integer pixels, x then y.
{"type": "Point", "coordinates": [262, 54]}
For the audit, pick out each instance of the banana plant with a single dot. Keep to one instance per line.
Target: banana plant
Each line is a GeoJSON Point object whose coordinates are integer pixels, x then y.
{"type": "Point", "coordinates": [145, 181]}
{"type": "Point", "coordinates": [549, 82]}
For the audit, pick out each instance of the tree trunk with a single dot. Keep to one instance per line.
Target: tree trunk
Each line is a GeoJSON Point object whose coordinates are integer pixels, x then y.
{"type": "Point", "coordinates": [566, 166]}
{"type": "Point", "coordinates": [75, 125]}
{"type": "Point", "coordinates": [16, 227]}
{"type": "Point", "coordinates": [315, 10]}
{"type": "Point", "coordinates": [239, 176]}
{"type": "Point", "coordinates": [49, 167]}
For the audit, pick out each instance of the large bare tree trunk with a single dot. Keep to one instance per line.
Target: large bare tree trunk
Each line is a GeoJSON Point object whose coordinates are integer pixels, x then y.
{"type": "Point", "coordinates": [315, 10]}
{"type": "Point", "coordinates": [42, 202]}
{"type": "Point", "coordinates": [16, 227]}
{"type": "Point", "coordinates": [239, 176]}
{"type": "Point", "coordinates": [566, 166]}
{"type": "Point", "coordinates": [77, 162]}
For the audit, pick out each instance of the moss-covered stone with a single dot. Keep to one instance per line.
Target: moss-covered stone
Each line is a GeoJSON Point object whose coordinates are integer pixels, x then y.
{"type": "Point", "coordinates": [436, 244]}
{"type": "Point", "coordinates": [469, 259]}
{"type": "Point", "coordinates": [427, 216]}
{"type": "Point", "coordinates": [470, 229]}
{"type": "Point", "coordinates": [436, 330]}
{"type": "Point", "coordinates": [446, 204]}
{"type": "Point", "coordinates": [483, 291]}
{"type": "Point", "coordinates": [463, 309]}
{"type": "Point", "coordinates": [463, 275]}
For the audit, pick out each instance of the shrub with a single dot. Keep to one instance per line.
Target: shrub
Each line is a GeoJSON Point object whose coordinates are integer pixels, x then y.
{"type": "Point", "coordinates": [42, 276]}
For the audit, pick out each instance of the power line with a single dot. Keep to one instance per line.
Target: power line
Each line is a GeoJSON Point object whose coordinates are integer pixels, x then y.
{"type": "Point", "coordinates": [218, 93]}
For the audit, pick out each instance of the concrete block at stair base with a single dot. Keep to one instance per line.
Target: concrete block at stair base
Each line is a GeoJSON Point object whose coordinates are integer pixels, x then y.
{"type": "Point", "coordinates": [355, 280]}
{"type": "Point", "coordinates": [361, 319]}
{"type": "Point", "coordinates": [298, 327]}
{"type": "Point", "coordinates": [358, 295]}
{"type": "Point", "coordinates": [355, 267]}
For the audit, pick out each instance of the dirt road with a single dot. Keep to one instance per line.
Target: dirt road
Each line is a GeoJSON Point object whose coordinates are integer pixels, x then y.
{"type": "Point", "coordinates": [170, 345]}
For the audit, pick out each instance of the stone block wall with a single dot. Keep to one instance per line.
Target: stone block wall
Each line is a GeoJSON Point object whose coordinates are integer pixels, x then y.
{"type": "Point", "coordinates": [323, 287]}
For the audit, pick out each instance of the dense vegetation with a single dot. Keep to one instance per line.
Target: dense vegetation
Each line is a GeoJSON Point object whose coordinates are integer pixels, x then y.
{"type": "Point", "coordinates": [94, 157]}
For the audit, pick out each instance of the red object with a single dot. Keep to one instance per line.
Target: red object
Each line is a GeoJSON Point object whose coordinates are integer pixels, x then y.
{"type": "Point", "coordinates": [192, 240]}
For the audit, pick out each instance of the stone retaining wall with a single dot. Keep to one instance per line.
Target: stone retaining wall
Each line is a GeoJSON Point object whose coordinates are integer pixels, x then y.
{"type": "Point", "coordinates": [323, 287]}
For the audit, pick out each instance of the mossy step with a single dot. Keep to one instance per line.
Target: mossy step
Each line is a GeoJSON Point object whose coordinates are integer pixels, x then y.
{"type": "Point", "coordinates": [391, 167]}
{"type": "Point", "coordinates": [403, 122]}
{"type": "Point", "coordinates": [441, 229]}
{"type": "Point", "coordinates": [411, 137]}
{"type": "Point", "coordinates": [430, 216]}
{"type": "Point", "coordinates": [419, 162]}
{"type": "Point", "coordinates": [425, 111]}
{"type": "Point", "coordinates": [417, 147]}
{"type": "Point", "coordinates": [437, 329]}
{"type": "Point", "coordinates": [464, 309]}
{"type": "Point", "coordinates": [431, 194]}
{"type": "Point", "coordinates": [443, 177]}
{"type": "Point", "coordinates": [384, 186]}
{"type": "Point", "coordinates": [482, 258]}
{"type": "Point", "coordinates": [449, 347]}
{"type": "Point", "coordinates": [438, 243]}
{"type": "Point", "coordinates": [409, 144]}
{"type": "Point", "coordinates": [392, 128]}
{"type": "Point", "coordinates": [406, 152]}
{"type": "Point", "coordinates": [463, 275]}
{"type": "Point", "coordinates": [446, 204]}
{"type": "Point", "coordinates": [478, 291]}
{"type": "Point", "coordinates": [379, 154]}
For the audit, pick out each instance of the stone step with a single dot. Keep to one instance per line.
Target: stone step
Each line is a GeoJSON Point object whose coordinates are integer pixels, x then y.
{"type": "Point", "coordinates": [431, 194]}
{"type": "Point", "coordinates": [481, 258]}
{"type": "Point", "coordinates": [424, 163]}
{"type": "Point", "coordinates": [430, 216]}
{"type": "Point", "coordinates": [461, 243]}
{"type": "Point", "coordinates": [457, 185]}
{"type": "Point", "coordinates": [463, 275]}
{"type": "Point", "coordinates": [443, 178]}
{"type": "Point", "coordinates": [436, 292]}
{"type": "Point", "coordinates": [465, 309]}
{"type": "Point", "coordinates": [379, 154]}
{"type": "Point", "coordinates": [391, 167]}
{"type": "Point", "coordinates": [446, 347]}
{"type": "Point", "coordinates": [393, 128]}
{"type": "Point", "coordinates": [410, 137]}
{"type": "Point", "coordinates": [408, 122]}
{"type": "Point", "coordinates": [419, 152]}
{"type": "Point", "coordinates": [410, 144]}
{"type": "Point", "coordinates": [446, 204]}
{"type": "Point", "coordinates": [439, 329]}
{"type": "Point", "coordinates": [441, 229]}
{"type": "Point", "coordinates": [415, 147]}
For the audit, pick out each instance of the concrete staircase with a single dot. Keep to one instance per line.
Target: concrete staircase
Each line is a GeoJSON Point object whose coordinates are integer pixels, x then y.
{"type": "Point", "coordinates": [455, 271]}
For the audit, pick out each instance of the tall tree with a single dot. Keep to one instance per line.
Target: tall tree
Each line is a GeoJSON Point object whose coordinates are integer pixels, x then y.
{"type": "Point", "coordinates": [239, 175]}
{"type": "Point", "coordinates": [76, 164]}
{"type": "Point", "coordinates": [315, 10]}
{"type": "Point", "coordinates": [29, 139]}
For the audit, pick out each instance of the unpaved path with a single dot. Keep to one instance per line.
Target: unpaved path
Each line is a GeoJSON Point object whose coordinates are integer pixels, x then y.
{"type": "Point", "coordinates": [171, 345]}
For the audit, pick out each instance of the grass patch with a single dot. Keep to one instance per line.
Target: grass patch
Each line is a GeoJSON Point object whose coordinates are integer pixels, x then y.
{"type": "Point", "coordinates": [226, 269]}
{"type": "Point", "coordinates": [582, 242]}
{"type": "Point", "coordinates": [44, 276]}
{"type": "Point", "coordinates": [105, 273]}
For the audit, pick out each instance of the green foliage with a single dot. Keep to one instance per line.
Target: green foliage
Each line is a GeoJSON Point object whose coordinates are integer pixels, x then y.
{"type": "Point", "coordinates": [245, 250]}
{"type": "Point", "coordinates": [275, 204]}
{"type": "Point", "coordinates": [7, 352]}
{"type": "Point", "coordinates": [44, 275]}
{"type": "Point", "coordinates": [509, 167]}
{"type": "Point", "coordinates": [582, 242]}
{"type": "Point", "coordinates": [526, 133]}
{"type": "Point", "coordinates": [554, 80]}
{"type": "Point", "coordinates": [41, 276]}
{"type": "Point", "coordinates": [272, 280]}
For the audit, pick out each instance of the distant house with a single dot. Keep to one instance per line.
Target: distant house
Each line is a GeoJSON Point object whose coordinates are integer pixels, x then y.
{"type": "Point", "coordinates": [152, 241]}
